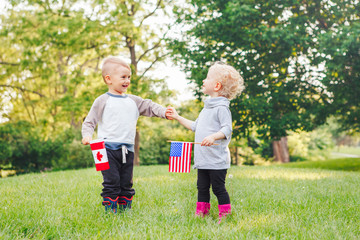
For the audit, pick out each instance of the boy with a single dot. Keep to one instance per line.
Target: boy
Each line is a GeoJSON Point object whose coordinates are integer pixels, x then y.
{"type": "Point", "coordinates": [116, 114]}
{"type": "Point", "coordinates": [214, 123]}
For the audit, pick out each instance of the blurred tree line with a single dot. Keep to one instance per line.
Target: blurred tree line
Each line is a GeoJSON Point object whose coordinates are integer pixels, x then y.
{"type": "Point", "coordinates": [300, 62]}
{"type": "Point", "coordinates": [50, 60]}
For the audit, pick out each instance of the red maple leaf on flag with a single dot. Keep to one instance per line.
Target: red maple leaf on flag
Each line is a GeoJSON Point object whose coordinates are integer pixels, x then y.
{"type": "Point", "coordinates": [99, 156]}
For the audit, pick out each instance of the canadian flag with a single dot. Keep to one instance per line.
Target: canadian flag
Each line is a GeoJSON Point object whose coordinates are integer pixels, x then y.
{"type": "Point", "coordinates": [100, 157]}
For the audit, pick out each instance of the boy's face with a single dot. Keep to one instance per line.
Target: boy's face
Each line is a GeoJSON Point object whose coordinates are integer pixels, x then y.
{"type": "Point", "coordinates": [119, 80]}
{"type": "Point", "coordinates": [210, 83]}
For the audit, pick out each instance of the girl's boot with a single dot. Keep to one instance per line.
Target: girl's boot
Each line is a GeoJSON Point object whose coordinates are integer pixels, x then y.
{"type": "Point", "coordinates": [202, 209]}
{"type": "Point", "coordinates": [125, 203]}
{"type": "Point", "coordinates": [224, 210]}
{"type": "Point", "coordinates": [110, 204]}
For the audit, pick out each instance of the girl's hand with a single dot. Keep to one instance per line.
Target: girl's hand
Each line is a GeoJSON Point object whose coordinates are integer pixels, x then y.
{"type": "Point", "coordinates": [86, 140]}
{"type": "Point", "coordinates": [171, 113]}
{"type": "Point", "coordinates": [208, 141]}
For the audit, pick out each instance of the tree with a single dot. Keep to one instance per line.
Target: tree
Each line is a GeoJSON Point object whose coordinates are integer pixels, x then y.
{"type": "Point", "coordinates": [49, 58]}
{"type": "Point", "coordinates": [274, 45]}
{"type": "Point", "coordinates": [338, 39]}
{"type": "Point", "coordinates": [51, 53]}
{"type": "Point", "coordinates": [143, 40]}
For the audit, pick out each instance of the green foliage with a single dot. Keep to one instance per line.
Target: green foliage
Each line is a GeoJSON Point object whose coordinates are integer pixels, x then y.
{"type": "Point", "coordinates": [267, 203]}
{"type": "Point", "coordinates": [24, 149]}
{"type": "Point", "coordinates": [249, 157]}
{"type": "Point", "coordinates": [338, 48]}
{"type": "Point", "coordinates": [154, 148]}
{"type": "Point", "coordinates": [313, 145]}
{"type": "Point", "coordinates": [74, 156]}
{"type": "Point", "coordinates": [281, 51]}
{"type": "Point", "coordinates": [260, 146]}
{"type": "Point", "coordinates": [251, 151]}
{"type": "Point", "coordinates": [49, 60]}
{"type": "Point", "coordinates": [51, 53]}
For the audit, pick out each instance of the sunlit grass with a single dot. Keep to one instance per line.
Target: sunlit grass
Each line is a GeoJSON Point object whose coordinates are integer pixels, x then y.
{"type": "Point", "coordinates": [268, 203]}
{"type": "Point", "coordinates": [347, 150]}
{"type": "Point", "coordinates": [344, 164]}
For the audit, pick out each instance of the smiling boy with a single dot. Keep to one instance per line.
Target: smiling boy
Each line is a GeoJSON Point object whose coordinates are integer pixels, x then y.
{"type": "Point", "coordinates": [116, 114]}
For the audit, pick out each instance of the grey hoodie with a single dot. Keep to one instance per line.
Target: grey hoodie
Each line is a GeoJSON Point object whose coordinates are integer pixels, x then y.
{"type": "Point", "coordinates": [214, 117]}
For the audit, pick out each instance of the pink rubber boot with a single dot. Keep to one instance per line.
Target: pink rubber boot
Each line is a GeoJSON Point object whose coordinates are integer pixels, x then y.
{"type": "Point", "coordinates": [224, 210]}
{"type": "Point", "coordinates": [202, 209]}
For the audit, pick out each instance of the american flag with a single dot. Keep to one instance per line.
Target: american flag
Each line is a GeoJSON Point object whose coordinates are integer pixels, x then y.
{"type": "Point", "coordinates": [180, 157]}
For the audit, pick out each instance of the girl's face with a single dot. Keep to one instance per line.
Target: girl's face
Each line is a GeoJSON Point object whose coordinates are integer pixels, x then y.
{"type": "Point", "coordinates": [209, 83]}
{"type": "Point", "coordinates": [119, 80]}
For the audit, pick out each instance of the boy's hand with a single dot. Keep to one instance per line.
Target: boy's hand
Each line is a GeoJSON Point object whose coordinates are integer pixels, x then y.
{"type": "Point", "coordinates": [171, 113]}
{"type": "Point", "coordinates": [208, 141]}
{"type": "Point", "coordinates": [86, 140]}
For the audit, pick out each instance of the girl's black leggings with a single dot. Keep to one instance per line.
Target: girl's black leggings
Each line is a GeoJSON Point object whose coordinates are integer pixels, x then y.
{"type": "Point", "coordinates": [215, 179]}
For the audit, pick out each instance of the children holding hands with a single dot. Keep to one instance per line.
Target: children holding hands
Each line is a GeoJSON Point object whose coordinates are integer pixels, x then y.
{"type": "Point", "coordinates": [213, 125]}
{"type": "Point", "coordinates": [116, 114]}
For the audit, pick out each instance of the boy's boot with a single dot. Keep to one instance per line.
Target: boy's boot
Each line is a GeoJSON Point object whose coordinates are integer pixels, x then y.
{"type": "Point", "coordinates": [125, 203]}
{"type": "Point", "coordinates": [202, 209]}
{"type": "Point", "coordinates": [110, 204]}
{"type": "Point", "coordinates": [224, 210]}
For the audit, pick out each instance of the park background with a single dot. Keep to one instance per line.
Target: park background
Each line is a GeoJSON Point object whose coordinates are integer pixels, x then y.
{"type": "Point", "coordinates": [300, 109]}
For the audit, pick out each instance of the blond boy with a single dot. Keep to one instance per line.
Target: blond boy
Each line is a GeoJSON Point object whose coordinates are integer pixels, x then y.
{"type": "Point", "coordinates": [116, 114]}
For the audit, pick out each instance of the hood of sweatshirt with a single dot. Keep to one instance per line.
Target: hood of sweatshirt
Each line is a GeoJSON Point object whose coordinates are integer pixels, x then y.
{"type": "Point", "coordinates": [216, 102]}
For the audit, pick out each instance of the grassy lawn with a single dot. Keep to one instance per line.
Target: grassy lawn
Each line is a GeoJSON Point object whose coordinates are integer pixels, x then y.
{"type": "Point", "coordinates": [268, 203]}
{"type": "Point", "coordinates": [347, 150]}
{"type": "Point", "coordinates": [345, 164]}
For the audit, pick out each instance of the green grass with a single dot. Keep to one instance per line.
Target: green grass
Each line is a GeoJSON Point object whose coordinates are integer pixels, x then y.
{"type": "Point", "coordinates": [347, 150]}
{"type": "Point", "coordinates": [268, 203]}
{"type": "Point", "coordinates": [344, 164]}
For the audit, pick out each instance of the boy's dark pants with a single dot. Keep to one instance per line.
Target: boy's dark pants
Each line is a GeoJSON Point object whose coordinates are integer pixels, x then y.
{"type": "Point", "coordinates": [215, 179]}
{"type": "Point", "coordinates": [118, 179]}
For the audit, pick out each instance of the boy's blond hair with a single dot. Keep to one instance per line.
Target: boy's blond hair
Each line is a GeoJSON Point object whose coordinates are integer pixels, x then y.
{"type": "Point", "coordinates": [110, 64]}
{"type": "Point", "coordinates": [231, 81]}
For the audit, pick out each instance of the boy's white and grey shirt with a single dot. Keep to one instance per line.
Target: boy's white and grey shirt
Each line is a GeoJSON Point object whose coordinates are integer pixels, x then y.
{"type": "Point", "coordinates": [116, 117]}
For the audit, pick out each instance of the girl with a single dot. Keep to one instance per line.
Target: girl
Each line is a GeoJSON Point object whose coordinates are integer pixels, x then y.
{"type": "Point", "coordinates": [214, 125]}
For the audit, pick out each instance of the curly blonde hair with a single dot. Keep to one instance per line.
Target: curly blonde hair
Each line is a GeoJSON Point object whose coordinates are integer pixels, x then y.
{"type": "Point", "coordinates": [231, 81]}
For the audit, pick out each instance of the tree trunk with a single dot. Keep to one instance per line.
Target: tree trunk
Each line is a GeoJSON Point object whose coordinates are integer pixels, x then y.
{"type": "Point", "coordinates": [236, 155]}
{"type": "Point", "coordinates": [137, 149]}
{"type": "Point", "coordinates": [131, 46]}
{"type": "Point", "coordinates": [281, 151]}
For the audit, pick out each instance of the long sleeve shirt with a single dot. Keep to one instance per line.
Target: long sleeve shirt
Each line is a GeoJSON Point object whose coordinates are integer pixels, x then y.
{"type": "Point", "coordinates": [116, 117]}
{"type": "Point", "coordinates": [214, 117]}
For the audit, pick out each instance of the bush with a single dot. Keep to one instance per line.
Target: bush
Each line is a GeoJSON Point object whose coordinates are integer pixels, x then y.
{"type": "Point", "coordinates": [313, 145]}
{"type": "Point", "coordinates": [154, 134]}
{"type": "Point", "coordinates": [75, 156]}
{"type": "Point", "coordinates": [249, 152]}
{"type": "Point", "coordinates": [154, 148]}
{"type": "Point", "coordinates": [22, 148]}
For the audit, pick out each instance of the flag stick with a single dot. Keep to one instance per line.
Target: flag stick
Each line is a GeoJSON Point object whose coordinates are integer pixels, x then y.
{"type": "Point", "coordinates": [190, 142]}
